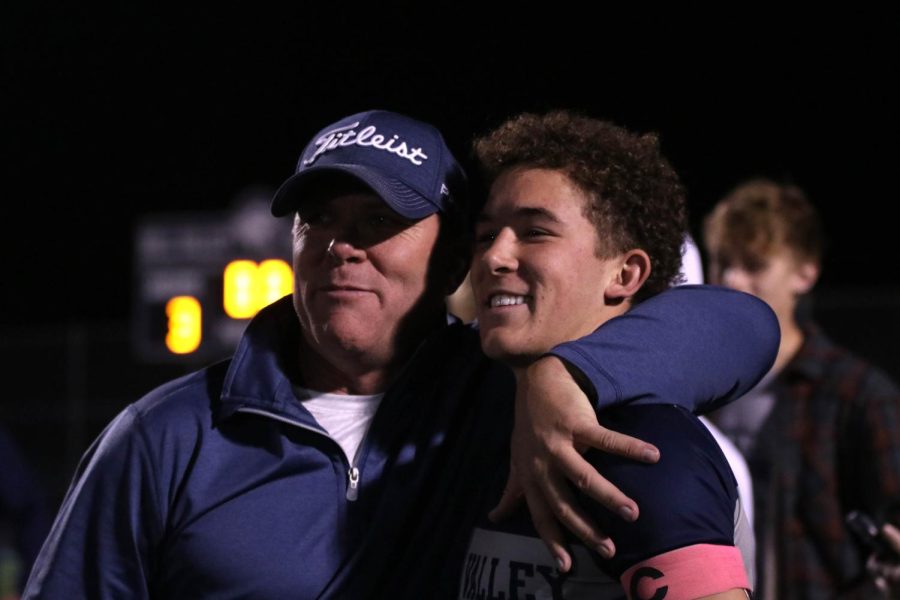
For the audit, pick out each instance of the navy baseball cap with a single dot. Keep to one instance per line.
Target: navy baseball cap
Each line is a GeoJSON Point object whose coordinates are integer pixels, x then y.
{"type": "Point", "coordinates": [405, 161]}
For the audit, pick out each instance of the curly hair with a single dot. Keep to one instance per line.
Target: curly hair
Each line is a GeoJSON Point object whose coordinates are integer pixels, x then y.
{"type": "Point", "coordinates": [636, 198]}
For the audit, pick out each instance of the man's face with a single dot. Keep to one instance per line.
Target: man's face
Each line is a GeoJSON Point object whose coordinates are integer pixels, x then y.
{"type": "Point", "coordinates": [777, 279]}
{"type": "Point", "coordinates": [365, 297]}
{"type": "Point", "coordinates": [536, 275]}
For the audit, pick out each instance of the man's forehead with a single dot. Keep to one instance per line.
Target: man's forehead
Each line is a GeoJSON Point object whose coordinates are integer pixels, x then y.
{"type": "Point", "coordinates": [328, 185]}
{"type": "Point", "coordinates": [360, 197]}
{"type": "Point", "coordinates": [352, 203]}
{"type": "Point", "coordinates": [345, 191]}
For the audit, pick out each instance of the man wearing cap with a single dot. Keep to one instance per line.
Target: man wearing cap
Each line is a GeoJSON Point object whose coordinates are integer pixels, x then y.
{"type": "Point", "coordinates": [342, 451]}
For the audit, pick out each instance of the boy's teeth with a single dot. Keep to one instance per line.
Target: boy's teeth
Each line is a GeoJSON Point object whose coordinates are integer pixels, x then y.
{"type": "Point", "coordinates": [506, 300]}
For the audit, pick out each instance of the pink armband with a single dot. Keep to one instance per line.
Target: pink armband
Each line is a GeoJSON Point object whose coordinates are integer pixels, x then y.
{"type": "Point", "coordinates": [686, 573]}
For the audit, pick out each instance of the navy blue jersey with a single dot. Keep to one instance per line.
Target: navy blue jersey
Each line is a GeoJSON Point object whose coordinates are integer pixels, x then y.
{"type": "Point", "coordinates": [681, 546]}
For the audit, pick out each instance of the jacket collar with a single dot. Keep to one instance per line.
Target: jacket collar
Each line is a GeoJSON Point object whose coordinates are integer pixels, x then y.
{"type": "Point", "coordinates": [259, 376]}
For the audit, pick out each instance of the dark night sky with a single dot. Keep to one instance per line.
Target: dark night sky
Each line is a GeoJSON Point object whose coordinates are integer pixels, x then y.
{"type": "Point", "coordinates": [110, 115]}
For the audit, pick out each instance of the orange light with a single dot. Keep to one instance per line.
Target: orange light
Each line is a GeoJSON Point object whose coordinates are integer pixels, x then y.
{"type": "Point", "coordinates": [185, 321]}
{"type": "Point", "coordinates": [249, 287]}
{"type": "Point", "coordinates": [239, 289]}
{"type": "Point", "coordinates": [275, 280]}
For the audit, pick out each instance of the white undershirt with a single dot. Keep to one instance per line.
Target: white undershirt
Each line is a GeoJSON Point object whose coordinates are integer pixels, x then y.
{"type": "Point", "coordinates": [345, 417]}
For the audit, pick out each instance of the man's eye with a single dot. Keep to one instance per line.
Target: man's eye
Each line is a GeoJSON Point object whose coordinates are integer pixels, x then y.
{"type": "Point", "coordinates": [314, 217]}
{"type": "Point", "coordinates": [388, 220]}
{"type": "Point", "coordinates": [534, 233]}
{"type": "Point", "coordinates": [381, 221]}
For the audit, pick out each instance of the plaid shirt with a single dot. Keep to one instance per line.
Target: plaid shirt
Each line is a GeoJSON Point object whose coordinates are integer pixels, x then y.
{"type": "Point", "coordinates": [830, 444]}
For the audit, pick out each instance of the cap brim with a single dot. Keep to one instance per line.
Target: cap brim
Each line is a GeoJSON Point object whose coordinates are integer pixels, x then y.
{"type": "Point", "coordinates": [400, 197]}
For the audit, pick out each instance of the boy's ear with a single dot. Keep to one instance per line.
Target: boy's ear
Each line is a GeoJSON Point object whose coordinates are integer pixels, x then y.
{"type": "Point", "coordinates": [633, 272]}
{"type": "Point", "coordinates": [805, 277]}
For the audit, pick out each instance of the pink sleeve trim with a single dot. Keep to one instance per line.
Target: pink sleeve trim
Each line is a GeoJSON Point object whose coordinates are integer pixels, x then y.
{"type": "Point", "coordinates": [686, 573]}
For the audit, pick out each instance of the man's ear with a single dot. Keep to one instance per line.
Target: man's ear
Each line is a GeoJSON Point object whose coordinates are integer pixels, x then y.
{"type": "Point", "coordinates": [450, 264]}
{"type": "Point", "coordinates": [462, 302]}
{"type": "Point", "coordinates": [633, 271]}
{"type": "Point", "coordinates": [457, 271]}
{"type": "Point", "coordinates": [805, 276]}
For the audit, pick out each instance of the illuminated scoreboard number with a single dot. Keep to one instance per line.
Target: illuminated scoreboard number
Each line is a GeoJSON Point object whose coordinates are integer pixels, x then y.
{"type": "Point", "coordinates": [200, 275]}
{"type": "Point", "coordinates": [246, 288]}
{"type": "Point", "coordinates": [184, 324]}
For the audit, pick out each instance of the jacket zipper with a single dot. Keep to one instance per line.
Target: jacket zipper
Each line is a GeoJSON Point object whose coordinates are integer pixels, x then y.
{"type": "Point", "coordinates": [352, 472]}
{"type": "Point", "coordinates": [353, 484]}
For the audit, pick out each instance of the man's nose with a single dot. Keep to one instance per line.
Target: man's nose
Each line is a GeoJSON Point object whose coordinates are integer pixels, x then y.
{"type": "Point", "coordinates": [343, 250]}
{"type": "Point", "coordinates": [500, 256]}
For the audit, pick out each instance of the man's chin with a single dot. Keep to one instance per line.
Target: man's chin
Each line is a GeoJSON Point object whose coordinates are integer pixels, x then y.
{"type": "Point", "coordinates": [348, 336]}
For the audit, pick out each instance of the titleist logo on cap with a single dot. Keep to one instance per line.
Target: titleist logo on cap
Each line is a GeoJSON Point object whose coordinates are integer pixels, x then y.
{"type": "Point", "coordinates": [348, 136]}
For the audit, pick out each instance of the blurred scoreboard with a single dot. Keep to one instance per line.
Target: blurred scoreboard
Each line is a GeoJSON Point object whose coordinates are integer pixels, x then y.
{"type": "Point", "coordinates": [200, 277]}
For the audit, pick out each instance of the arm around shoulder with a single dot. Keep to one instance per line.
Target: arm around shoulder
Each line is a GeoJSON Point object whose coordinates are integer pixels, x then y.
{"type": "Point", "coordinates": [695, 346]}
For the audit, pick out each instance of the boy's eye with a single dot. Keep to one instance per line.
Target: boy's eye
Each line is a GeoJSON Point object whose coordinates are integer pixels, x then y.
{"type": "Point", "coordinates": [754, 265]}
{"type": "Point", "coordinates": [485, 237]}
{"type": "Point", "coordinates": [750, 264]}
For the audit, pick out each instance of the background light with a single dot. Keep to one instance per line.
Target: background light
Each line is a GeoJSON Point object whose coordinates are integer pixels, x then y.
{"type": "Point", "coordinates": [185, 322]}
